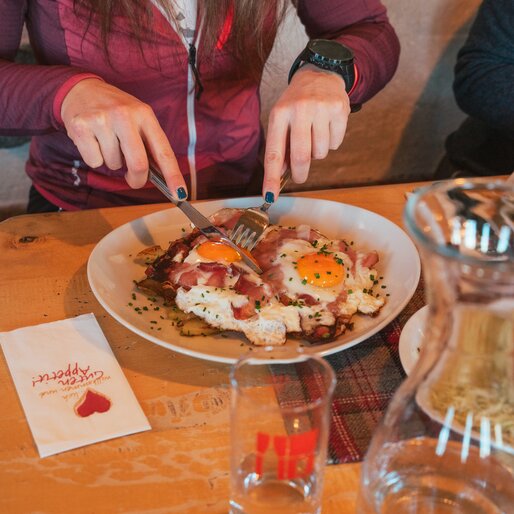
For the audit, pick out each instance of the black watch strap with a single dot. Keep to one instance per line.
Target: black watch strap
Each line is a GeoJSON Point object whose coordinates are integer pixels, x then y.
{"type": "Point", "coordinates": [331, 56]}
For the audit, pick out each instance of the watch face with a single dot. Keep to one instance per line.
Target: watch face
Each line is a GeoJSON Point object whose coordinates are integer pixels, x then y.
{"type": "Point", "coordinates": [330, 51]}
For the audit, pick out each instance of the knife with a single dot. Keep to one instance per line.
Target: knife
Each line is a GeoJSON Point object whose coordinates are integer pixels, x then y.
{"type": "Point", "coordinates": [197, 218]}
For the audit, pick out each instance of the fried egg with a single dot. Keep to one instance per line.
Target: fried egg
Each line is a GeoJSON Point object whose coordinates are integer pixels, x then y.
{"type": "Point", "coordinates": [311, 286]}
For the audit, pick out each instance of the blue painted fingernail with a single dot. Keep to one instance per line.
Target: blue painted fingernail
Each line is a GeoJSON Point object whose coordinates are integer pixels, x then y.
{"type": "Point", "coordinates": [270, 197]}
{"type": "Point", "coordinates": [181, 193]}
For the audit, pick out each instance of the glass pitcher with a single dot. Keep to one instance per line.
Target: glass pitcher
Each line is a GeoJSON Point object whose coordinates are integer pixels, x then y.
{"type": "Point", "coordinates": [446, 443]}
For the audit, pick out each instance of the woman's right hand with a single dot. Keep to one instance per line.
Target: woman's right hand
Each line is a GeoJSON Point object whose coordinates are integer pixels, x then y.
{"type": "Point", "coordinates": [111, 127]}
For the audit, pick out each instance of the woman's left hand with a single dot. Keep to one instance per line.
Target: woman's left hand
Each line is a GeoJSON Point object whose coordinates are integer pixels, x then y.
{"type": "Point", "coordinates": [308, 120]}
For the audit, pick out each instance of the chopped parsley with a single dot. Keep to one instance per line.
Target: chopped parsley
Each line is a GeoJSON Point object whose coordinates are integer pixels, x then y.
{"type": "Point", "coordinates": [323, 251]}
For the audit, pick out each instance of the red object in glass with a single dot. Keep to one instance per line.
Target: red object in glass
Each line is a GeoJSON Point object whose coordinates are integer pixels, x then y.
{"type": "Point", "coordinates": [295, 453]}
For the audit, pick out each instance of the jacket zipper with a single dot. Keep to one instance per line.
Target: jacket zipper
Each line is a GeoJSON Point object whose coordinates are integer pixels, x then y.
{"type": "Point", "coordinates": [193, 82]}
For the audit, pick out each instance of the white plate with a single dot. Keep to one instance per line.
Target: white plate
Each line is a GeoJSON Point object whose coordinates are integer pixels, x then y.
{"type": "Point", "coordinates": [111, 270]}
{"type": "Point", "coordinates": [411, 339]}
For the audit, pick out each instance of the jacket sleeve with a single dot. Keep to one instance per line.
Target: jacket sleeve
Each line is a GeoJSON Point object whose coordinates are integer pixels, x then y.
{"type": "Point", "coordinates": [30, 95]}
{"type": "Point", "coordinates": [484, 72]}
{"type": "Point", "coordinates": [362, 26]}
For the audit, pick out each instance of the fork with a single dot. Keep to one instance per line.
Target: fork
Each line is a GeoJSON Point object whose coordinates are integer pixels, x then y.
{"type": "Point", "coordinates": [254, 221]}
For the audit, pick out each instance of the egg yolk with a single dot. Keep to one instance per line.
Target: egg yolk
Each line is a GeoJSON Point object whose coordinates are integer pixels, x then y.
{"type": "Point", "coordinates": [320, 270]}
{"type": "Point", "coordinates": [217, 251]}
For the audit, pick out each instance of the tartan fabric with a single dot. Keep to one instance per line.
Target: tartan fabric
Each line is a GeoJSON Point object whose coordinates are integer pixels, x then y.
{"type": "Point", "coordinates": [368, 375]}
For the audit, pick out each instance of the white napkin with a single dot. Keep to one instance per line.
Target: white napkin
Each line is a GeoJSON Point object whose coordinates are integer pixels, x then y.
{"type": "Point", "coordinates": [71, 387]}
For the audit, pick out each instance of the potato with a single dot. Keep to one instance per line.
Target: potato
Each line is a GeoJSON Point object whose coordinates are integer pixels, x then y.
{"type": "Point", "coordinates": [148, 255]}
{"type": "Point", "coordinates": [197, 327]}
{"type": "Point", "coordinates": [175, 314]}
{"type": "Point", "coordinates": [150, 286]}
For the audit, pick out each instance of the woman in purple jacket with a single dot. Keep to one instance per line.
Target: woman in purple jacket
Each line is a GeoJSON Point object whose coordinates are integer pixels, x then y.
{"type": "Point", "coordinates": [119, 82]}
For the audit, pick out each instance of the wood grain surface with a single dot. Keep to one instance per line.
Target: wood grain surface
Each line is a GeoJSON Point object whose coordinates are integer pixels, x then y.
{"type": "Point", "coordinates": [181, 465]}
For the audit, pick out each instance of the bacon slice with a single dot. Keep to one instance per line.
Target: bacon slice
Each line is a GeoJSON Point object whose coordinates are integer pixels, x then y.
{"type": "Point", "coordinates": [267, 249]}
{"type": "Point", "coordinates": [249, 288]}
{"type": "Point", "coordinates": [370, 259]}
{"type": "Point", "coordinates": [226, 218]}
{"type": "Point", "coordinates": [244, 312]}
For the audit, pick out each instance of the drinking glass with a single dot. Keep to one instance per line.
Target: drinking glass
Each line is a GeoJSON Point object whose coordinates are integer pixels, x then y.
{"type": "Point", "coordinates": [280, 410]}
{"type": "Point", "coordinates": [446, 443]}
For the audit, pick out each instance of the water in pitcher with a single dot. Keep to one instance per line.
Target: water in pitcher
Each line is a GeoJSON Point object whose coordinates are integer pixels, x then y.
{"type": "Point", "coordinates": [416, 480]}
{"type": "Point", "coordinates": [446, 442]}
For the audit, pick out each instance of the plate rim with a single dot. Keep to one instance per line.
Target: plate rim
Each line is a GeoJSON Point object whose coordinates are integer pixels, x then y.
{"type": "Point", "coordinates": [404, 347]}
{"type": "Point", "coordinates": [230, 360]}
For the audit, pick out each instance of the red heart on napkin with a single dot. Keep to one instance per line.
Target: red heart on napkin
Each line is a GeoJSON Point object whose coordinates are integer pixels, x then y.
{"type": "Point", "coordinates": [92, 402]}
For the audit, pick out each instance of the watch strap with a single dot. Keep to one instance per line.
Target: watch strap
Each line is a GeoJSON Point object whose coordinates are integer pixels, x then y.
{"type": "Point", "coordinates": [346, 69]}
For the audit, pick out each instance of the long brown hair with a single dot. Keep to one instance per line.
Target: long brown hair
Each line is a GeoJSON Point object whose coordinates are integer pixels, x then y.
{"type": "Point", "coordinates": [252, 32]}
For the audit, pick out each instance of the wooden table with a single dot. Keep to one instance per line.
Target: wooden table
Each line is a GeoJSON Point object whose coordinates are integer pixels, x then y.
{"type": "Point", "coordinates": [181, 465]}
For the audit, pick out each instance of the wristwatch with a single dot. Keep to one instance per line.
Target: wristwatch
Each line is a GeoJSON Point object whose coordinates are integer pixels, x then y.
{"type": "Point", "coordinates": [328, 55]}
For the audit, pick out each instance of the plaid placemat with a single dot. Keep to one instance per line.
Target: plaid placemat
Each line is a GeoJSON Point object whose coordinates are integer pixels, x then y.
{"type": "Point", "coordinates": [368, 375]}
